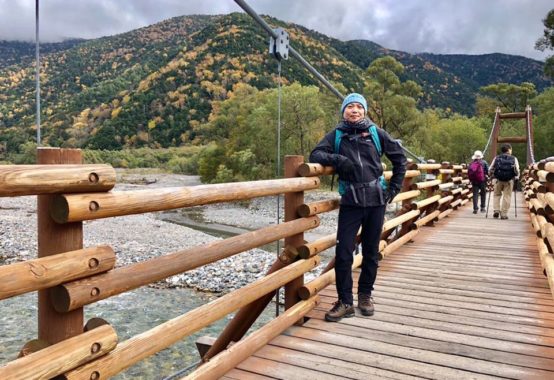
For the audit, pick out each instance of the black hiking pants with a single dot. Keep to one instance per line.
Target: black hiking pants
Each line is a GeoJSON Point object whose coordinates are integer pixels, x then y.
{"type": "Point", "coordinates": [350, 220]}
{"type": "Point", "coordinates": [479, 188]}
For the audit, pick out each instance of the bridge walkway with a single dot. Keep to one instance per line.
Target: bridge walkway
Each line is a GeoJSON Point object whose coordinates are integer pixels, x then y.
{"type": "Point", "coordinates": [466, 299]}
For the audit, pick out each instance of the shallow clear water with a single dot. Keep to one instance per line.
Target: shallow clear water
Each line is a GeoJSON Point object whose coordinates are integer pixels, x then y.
{"type": "Point", "coordinates": [130, 313]}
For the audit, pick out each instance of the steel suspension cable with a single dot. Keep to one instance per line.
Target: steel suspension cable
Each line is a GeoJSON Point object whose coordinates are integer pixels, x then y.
{"type": "Point", "coordinates": [37, 71]}
{"type": "Point", "coordinates": [301, 59]}
{"type": "Point", "coordinates": [490, 135]}
{"type": "Point", "coordinates": [528, 132]}
{"type": "Point", "coordinates": [278, 170]}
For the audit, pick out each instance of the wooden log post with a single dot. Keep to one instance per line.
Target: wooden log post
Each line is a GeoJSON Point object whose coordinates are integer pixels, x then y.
{"type": "Point", "coordinates": [293, 200]}
{"type": "Point", "coordinates": [246, 316]}
{"type": "Point", "coordinates": [431, 206]}
{"type": "Point", "coordinates": [54, 238]}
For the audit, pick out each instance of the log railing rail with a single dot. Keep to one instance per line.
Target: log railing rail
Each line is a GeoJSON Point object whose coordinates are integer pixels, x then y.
{"type": "Point", "coordinates": [538, 191]}
{"type": "Point", "coordinates": [71, 276]}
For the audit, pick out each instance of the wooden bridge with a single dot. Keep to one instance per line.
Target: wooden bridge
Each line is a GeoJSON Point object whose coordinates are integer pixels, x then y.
{"type": "Point", "coordinates": [467, 299]}
{"type": "Point", "coordinates": [458, 295]}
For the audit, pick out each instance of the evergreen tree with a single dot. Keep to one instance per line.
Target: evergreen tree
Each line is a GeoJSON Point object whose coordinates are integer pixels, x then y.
{"type": "Point", "coordinates": [547, 42]}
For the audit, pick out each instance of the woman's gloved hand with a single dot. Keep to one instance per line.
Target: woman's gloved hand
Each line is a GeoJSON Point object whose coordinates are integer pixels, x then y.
{"type": "Point", "coordinates": [345, 169]}
{"type": "Point", "coordinates": [390, 193]}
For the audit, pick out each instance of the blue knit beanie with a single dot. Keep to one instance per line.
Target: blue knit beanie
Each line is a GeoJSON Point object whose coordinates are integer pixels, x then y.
{"type": "Point", "coordinates": [353, 98]}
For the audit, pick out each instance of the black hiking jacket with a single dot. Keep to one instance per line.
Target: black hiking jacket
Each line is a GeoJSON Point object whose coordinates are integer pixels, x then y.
{"type": "Point", "coordinates": [358, 147]}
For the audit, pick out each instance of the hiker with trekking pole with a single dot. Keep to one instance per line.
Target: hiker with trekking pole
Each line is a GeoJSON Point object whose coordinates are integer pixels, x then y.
{"type": "Point", "coordinates": [505, 170]}
{"type": "Point", "coordinates": [477, 173]}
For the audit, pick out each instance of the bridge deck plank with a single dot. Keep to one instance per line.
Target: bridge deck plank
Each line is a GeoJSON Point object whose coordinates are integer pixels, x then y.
{"type": "Point", "coordinates": [459, 302]}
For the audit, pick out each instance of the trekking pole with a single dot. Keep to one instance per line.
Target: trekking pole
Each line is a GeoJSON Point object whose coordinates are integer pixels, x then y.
{"type": "Point", "coordinates": [489, 201]}
{"type": "Point", "coordinates": [515, 197]}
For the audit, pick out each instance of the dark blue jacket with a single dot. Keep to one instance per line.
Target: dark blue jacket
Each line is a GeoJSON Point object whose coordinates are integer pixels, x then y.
{"type": "Point", "coordinates": [357, 146]}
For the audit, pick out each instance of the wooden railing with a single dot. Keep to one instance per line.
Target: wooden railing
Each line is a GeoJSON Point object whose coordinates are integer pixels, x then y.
{"type": "Point", "coordinates": [539, 195]}
{"type": "Point", "coordinates": [68, 276]}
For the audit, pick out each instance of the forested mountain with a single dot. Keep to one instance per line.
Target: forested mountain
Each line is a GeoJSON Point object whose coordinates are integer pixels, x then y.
{"type": "Point", "coordinates": [451, 81]}
{"type": "Point", "coordinates": [155, 86]}
{"type": "Point", "coordinates": [23, 53]}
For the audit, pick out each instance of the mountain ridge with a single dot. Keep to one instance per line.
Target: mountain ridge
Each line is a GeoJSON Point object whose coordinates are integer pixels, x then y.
{"type": "Point", "coordinates": [155, 85]}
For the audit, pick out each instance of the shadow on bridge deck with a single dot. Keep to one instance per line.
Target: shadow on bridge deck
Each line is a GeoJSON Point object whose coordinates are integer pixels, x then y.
{"type": "Point", "coordinates": [466, 299]}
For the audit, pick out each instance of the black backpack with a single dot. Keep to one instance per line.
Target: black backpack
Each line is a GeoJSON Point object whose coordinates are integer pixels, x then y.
{"type": "Point", "coordinates": [504, 167]}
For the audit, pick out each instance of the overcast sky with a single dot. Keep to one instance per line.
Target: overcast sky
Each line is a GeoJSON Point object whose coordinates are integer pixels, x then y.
{"type": "Point", "coordinates": [436, 26]}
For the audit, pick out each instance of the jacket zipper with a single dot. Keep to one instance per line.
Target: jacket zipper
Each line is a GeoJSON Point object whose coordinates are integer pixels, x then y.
{"type": "Point", "coordinates": [361, 166]}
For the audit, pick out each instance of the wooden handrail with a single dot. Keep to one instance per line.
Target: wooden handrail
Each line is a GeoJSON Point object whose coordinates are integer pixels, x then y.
{"type": "Point", "coordinates": [405, 195]}
{"type": "Point", "coordinates": [545, 176]}
{"type": "Point", "coordinates": [83, 292]}
{"type": "Point", "coordinates": [234, 355]}
{"type": "Point", "coordinates": [395, 222]}
{"type": "Point", "coordinates": [63, 356]}
{"type": "Point", "coordinates": [425, 202]}
{"type": "Point", "coordinates": [312, 170]}
{"type": "Point", "coordinates": [20, 180]}
{"type": "Point", "coordinates": [314, 208]}
{"type": "Point", "coordinates": [311, 249]}
{"type": "Point", "coordinates": [446, 186]}
{"type": "Point", "coordinates": [456, 191]}
{"type": "Point", "coordinates": [398, 243]}
{"type": "Point", "coordinates": [78, 207]}
{"type": "Point", "coordinates": [45, 272]}
{"type": "Point", "coordinates": [444, 200]}
{"type": "Point", "coordinates": [445, 213]}
{"type": "Point", "coordinates": [512, 115]}
{"type": "Point", "coordinates": [164, 335]}
{"type": "Point", "coordinates": [549, 198]}
{"type": "Point", "coordinates": [427, 219]}
{"type": "Point", "coordinates": [424, 166]}
{"type": "Point", "coordinates": [426, 184]}
{"type": "Point", "coordinates": [548, 166]}
{"type": "Point", "coordinates": [409, 174]}
{"type": "Point", "coordinates": [313, 287]}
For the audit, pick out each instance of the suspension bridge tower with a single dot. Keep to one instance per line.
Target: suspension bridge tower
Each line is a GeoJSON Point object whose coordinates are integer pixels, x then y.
{"type": "Point", "coordinates": [527, 138]}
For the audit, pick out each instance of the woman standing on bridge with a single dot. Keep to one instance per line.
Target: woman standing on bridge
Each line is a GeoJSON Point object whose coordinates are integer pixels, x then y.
{"type": "Point", "coordinates": [354, 149]}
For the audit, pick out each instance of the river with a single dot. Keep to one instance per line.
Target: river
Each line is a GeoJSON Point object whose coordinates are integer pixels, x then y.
{"type": "Point", "coordinates": [130, 313]}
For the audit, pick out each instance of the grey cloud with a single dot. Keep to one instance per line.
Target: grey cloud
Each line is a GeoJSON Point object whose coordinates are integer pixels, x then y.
{"type": "Point", "coordinates": [438, 26]}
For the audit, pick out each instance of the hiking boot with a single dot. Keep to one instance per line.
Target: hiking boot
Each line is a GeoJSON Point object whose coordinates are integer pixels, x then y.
{"type": "Point", "coordinates": [365, 304]}
{"type": "Point", "coordinates": [496, 215]}
{"type": "Point", "coordinates": [475, 211]}
{"type": "Point", "coordinates": [483, 210]}
{"type": "Point", "coordinates": [504, 217]}
{"type": "Point", "coordinates": [339, 311]}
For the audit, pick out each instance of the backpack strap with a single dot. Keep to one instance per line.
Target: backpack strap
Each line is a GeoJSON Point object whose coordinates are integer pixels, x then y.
{"type": "Point", "coordinates": [338, 138]}
{"type": "Point", "coordinates": [375, 138]}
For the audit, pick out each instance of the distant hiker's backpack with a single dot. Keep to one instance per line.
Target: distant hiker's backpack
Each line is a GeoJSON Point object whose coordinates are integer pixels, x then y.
{"type": "Point", "coordinates": [343, 185]}
{"type": "Point", "coordinates": [504, 167]}
{"type": "Point", "coordinates": [476, 172]}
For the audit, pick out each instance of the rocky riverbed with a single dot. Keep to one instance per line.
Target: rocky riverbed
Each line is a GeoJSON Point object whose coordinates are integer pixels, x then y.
{"type": "Point", "coordinates": [141, 237]}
